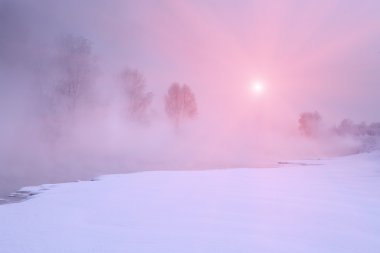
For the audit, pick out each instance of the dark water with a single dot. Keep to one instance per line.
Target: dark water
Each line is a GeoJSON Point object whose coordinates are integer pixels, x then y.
{"type": "Point", "coordinates": [12, 180]}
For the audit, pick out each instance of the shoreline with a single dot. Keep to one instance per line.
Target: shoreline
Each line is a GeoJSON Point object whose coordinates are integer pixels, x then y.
{"type": "Point", "coordinates": [21, 195]}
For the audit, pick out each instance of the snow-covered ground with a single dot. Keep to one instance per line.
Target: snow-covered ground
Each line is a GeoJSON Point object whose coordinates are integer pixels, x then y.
{"type": "Point", "coordinates": [328, 206]}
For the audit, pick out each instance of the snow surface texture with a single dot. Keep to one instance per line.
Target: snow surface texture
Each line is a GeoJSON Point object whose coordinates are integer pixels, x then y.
{"type": "Point", "coordinates": [333, 207]}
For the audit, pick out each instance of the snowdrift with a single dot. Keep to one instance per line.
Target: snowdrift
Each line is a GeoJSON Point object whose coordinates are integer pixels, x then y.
{"type": "Point", "coordinates": [302, 206]}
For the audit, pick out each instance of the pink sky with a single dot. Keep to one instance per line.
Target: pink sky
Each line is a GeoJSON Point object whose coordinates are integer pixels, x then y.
{"type": "Point", "coordinates": [312, 55]}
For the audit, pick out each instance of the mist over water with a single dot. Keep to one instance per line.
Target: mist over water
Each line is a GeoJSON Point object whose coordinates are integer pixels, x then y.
{"type": "Point", "coordinates": [198, 44]}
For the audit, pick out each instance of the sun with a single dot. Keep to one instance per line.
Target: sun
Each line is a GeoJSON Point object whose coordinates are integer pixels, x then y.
{"type": "Point", "coordinates": [257, 87]}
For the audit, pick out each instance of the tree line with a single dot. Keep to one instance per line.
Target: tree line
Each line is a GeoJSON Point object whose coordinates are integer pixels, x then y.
{"type": "Point", "coordinates": [75, 69]}
{"type": "Point", "coordinates": [310, 124]}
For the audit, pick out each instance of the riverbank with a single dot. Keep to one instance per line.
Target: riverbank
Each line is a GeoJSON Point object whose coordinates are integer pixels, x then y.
{"type": "Point", "coordinates": [329, 207]}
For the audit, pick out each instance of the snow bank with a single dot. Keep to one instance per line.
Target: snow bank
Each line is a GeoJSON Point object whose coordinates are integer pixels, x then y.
{"type": "Point", "coordinates": [328, 206]}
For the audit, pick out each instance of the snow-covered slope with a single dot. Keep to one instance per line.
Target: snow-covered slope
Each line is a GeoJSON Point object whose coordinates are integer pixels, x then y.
{"type": "Point", "coordinates": [333, 207]}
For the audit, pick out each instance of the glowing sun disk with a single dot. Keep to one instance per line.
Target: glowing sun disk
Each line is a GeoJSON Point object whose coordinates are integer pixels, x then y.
{"type": "Point", "coordinates": [257, 87]}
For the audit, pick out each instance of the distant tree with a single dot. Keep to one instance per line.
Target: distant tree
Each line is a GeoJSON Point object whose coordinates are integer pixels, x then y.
{"type": "Point", "coordinates": [138, 99]}
{"type": "Point", "coordinates": [75, 67]}
{"type": "Point", "coordinates": [346, 127]}
{"type": "Point", "coordinates": [374, 129]}
{"type": "Point", "coordinates": [365, 136]}
{"type": "Point", "coordinates": [310, 123]}
{"type": "Point", "coordinates": [65, 81]}
{"type": "Point", "coordinates": [180, 103]}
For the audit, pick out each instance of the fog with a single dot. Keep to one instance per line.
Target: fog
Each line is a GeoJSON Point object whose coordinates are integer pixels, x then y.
{"type": "Point", "coordinates": [311, 56]}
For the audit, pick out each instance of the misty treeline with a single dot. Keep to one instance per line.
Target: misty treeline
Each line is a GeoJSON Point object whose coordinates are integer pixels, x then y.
{"type": "Point", "coordinates": [64, 115]}
{"type": "Point", "coordinates": [180, 102]}
{"type": "Point", "coordinates": [63, 76]}
{"type": "Point", "coordinates": [367, 135]}
{"type": "Point", "coordinates": [66, 101]}
{"type": "Point", "coordinates": [67, 83]}
{"type": "Point", "coordinates": [77, 68]}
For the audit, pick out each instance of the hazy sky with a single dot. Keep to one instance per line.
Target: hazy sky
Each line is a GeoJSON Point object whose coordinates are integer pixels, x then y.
{"type": "Point", "coordinates": [312, 55]}
{"type": "Point", "coordinates": [309, 55]}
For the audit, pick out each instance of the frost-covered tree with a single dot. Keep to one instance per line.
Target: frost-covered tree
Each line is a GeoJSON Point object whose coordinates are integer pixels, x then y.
{"type": "Point", "coordinates": [66, 82]}
{"type": "Point", "coordinates": [138, 100]}
{"type": "Point", "coordinates": [310, 123]}
{"type": "Point", "coordinates": [75, 65]}
{"type": "Point", "coordinates": [348, 128]}
{"type": "Point", "coordinates": [374, 129]}
{"type": "Point", "coordinates": [366, 135]}
{"type": "Point", "coordinates": [180, 103]}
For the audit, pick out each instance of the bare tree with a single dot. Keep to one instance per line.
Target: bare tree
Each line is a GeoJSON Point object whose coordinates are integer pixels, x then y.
{"type": "Point", "coordinates": [75, 67]}
{"type": "Point", "coordinates": [65, 81]}
{"type": "Point", "coordinates": [180, 103]}
{"type": "Point", "coordinates": [310, 123]}
{"type": "Point", "coordinates": [138, 100]}
{"type": "Point", "coordinates": [349, 128]}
